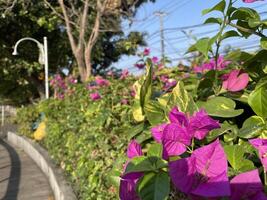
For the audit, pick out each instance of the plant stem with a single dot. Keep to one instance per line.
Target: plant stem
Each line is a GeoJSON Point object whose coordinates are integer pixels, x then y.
{"type": "Point", "coordinates": [247, 30]}
{"type": "Point", "coordinates": [265, 177]}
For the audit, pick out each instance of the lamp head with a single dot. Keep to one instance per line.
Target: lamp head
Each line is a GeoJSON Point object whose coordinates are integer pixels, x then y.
{"type": "Point", "coordinates": [15, 53]}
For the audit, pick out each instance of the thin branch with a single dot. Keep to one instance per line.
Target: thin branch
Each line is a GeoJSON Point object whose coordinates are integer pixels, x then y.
{"type": "Point", "coordinates": [56, 12]}
{"type": "Point", "coordinates": [68, 26]}
{"type": "Point", "coordinates": [248, 30]}
{"type": "Point", "coordinates": [83, 25]}
{"type": "Point", "coordinates": [8, 9]}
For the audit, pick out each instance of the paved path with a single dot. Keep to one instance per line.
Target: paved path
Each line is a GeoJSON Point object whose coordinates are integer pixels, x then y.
{"type": "Point", "coordinates": [20, 177]}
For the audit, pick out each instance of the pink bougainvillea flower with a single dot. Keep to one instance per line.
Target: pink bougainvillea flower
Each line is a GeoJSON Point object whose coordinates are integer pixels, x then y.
{"type": "Point", "coordinates": [261, 146]}
{"type": "Point", "coordinates": [157, 132]}
{"type": "Point", "coordinates": [101, 81]}
{"type": "Point", "coordinates": [160, 67]}
{"type": "Point", "coordinates": [128, 181]}
{"type": "Point", "coordinates": [134, 149]}
{"type": "Point", "coordinates": [236, 81]}
{"type": "Point", "coordinates": [110, 73]}
{"type": "Point", "coordinates": [124, 74]}
{"type": "Point", "coordinates": [124, 101]}
{"type": "Point", "coordinates": [250, 1]}
{"type": "Point", "coordinates": [175, 139]}
{"type": "Point", "coordinates": [128, 187]}
{"type": "Point", "coordinates": [175, 116]}
{"type": "Point", "coordinates": [146, 52]}
{"type": "Point", "coordinates": [221, 63]}
{"type": "Point", "coordinates": [203, 174]}
{"type": "Point", "coordinates": [247, 186]}
{"type": "Point", "coordinates": [169, 84]}
{"type": "Point", "coordinates": [140, 65]}
{"type": "Point", "coordinates": [211, 65]}
{"type": "Point", "coordinates": [95, 96]}
{"type": "Point", "coordinates": [155, 60]}
{"type": "Point", "coordinates": [201, 124]}
{"type": "Point", "coordinates": [164, 78]}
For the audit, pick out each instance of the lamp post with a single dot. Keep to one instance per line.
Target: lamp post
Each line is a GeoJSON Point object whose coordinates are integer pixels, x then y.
{"type": "Point", "coordinates": [43, 58]}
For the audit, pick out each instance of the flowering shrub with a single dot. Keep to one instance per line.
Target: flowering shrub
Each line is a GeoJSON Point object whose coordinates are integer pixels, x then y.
{"type": "Point", "coordinates": [208, 133]}
{"type": "Point", "coordinates": [193, 133]}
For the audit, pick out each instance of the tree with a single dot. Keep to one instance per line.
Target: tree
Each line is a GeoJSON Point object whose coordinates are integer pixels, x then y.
{"type": "Point", "coordinates": [86, 21]}
{"type": "Point", "coordinates": [21, 77]}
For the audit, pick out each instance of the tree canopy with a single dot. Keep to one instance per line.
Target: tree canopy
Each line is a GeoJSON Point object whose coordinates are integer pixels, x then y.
{"type": "Point", "coordinates": [22, 76]}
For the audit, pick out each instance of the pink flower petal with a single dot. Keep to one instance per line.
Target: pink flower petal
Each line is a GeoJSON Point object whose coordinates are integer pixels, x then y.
{"type": "Point", "coordinates": [134, 149]}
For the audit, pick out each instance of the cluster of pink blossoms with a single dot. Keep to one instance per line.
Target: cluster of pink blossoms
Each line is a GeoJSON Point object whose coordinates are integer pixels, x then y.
{"type": "Point", "coordinates": [211, 65]}
{"type": "Point", "coordinates": [202, 175]}
{"type": "Point", "coordinates": [145, 53]}
{"type": "Point", "coordinates": [99, 82]}
{"type": "Point", "coordinates": [62, 86]}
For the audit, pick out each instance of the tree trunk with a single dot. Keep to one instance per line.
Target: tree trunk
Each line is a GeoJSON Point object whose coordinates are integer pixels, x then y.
{"type": "Point", "coordinates": [88, 61]}
{"type": "Point", "coordinates": [81, 65]}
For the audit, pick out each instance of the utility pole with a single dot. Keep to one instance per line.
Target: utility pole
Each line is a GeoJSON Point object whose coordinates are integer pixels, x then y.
{"type": "Point", "coordinates": [161, 14]}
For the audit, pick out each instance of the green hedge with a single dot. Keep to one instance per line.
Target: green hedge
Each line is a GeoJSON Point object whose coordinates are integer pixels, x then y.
{"type": "Point", "coordinates": [84, 137]}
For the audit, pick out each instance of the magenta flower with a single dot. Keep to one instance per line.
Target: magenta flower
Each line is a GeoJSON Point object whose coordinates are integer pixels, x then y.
{"type": "Point", "coordinates": [134, 149]}
{"type": "Point", "coordinates": [110, 73]}
{"type": "Point", "coordinates": [169, 84]}
{"type": "Point", "coordinates": [101, 81]}
{"type": "Point", "coordinates": [211, 65]}
{"type": "Point", "coordinates": [146, 52]}
{"type": "Point", "coordinates": [140, 65]}
{"type": "Point", "coordinates": [175, 116]}
{"type": "Point", "coordinates": [247, 186]}
{"type": "Point", "coordinates": [164, 78]}
{"type": "Point", "coordinates": [155, 60]}
{"type": "Point", "coordinates": [128, 181]}
{"type": "Point", "coordinates": [235, 81]}
{"type": "Point", "coordinates": [95, 96]}
{"type": "Point", "coordinates": [128, 186]}
{"type": "Point", "coordinates": [157, 132]}
{"type": "Point", "coordinates": [201, 124]}
{"type": "Point", "coordinates": [124, 74]}
{"type": "Point", "coordinates": [124, 101]}
{"type": "Point", "coordinates": [203, 174]}
{"type": "Point", "coordinates": [250, 1]}
{"type": "Point", "coordinates": [175, 139]}
{"type": "Point", "coordinates": [261, 146]}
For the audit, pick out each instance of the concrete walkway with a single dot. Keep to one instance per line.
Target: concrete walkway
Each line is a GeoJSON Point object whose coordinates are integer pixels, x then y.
{"type": "Point", "coordinates": [20, 177]}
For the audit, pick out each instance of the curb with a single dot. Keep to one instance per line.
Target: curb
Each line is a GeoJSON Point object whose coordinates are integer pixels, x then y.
{"type": "Point", "coordinates": [61, 189]}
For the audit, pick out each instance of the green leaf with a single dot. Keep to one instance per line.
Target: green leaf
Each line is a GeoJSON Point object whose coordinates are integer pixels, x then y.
{"type": "Point", "coordinates": [155, 150]}
{"type": "Point", "coordinates": [182, 99]}
{"type": "Point", "coordinates": [133, 131]}
{"type": "Point", "coordinates": [220, 107]}
{"type": "Point", "coordinates": [235, 156]}
{"type": "Point", "coordinates": [203, 46]}
{"type": "Point", "coordinates": [264, 43]}
{"type": "Point", "coordinates": [145, 164]}
{"type": "Point", "coordinates": [252, 127]}
{"type": "Point", "coordinates": [229, 34]}
{"type": "Point", "coordinates": [258, 101]}
{"type": "Point", "coordinates": [225, 128]}
{"type": "Point", "coordinates": [213, 20]}
{"type": "Point", "coordinates": [154, 186]}
{"type": "Point", "coordinates": [254, 23]}
{"type": "Point", "coordinates": [146, 88]}
{"type": "Point", "coordinates": [154, 112]}
{"type": "Point", "coordinates": [137, 111]}
{"type": "Point", "coordinates": [245, 14]}
{"type": "Point", "coordinates": [219, 7]}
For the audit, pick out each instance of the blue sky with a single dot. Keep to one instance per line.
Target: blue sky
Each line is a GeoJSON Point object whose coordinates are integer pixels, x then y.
{"type": "Point", "coordinates": [180, 13]}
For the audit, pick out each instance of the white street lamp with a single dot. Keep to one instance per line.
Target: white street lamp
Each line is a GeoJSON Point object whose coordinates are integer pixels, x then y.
{"type": "Point", "coordinates": [43, 58]}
